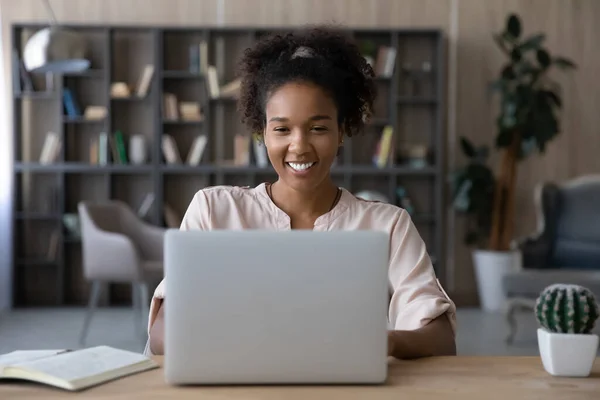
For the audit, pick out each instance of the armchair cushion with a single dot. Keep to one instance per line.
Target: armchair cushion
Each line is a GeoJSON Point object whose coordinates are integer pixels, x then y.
{"type": "Point", "coordinates": [569, 235]}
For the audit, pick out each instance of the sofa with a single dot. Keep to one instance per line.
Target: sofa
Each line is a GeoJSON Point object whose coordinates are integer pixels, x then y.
{"type": "Point", "coordinates": [565, 248]}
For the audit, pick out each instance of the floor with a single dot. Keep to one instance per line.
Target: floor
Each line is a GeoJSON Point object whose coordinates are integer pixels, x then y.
{"type": "Point", "coordinates": [479, 333]}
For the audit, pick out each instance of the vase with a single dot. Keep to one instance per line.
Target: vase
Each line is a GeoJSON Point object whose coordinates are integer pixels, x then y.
{"type": "Point", "coordinates": [137, 149]}
{"type": "Point", "coordinates": [490, 269]}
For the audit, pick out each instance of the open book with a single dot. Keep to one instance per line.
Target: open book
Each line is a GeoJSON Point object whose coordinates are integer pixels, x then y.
{"type": "Point", "coordinates": [73, 370]}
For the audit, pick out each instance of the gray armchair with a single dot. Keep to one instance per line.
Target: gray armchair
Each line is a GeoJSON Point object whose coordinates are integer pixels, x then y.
{"type": "Point", "coordinates": [565, 248]}
{"type": "Point", "coordinates": [118, 247]}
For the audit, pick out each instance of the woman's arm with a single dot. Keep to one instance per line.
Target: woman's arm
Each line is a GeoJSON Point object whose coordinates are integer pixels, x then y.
{"type": "Point", "coordinates": [434, 339]}
{"type": "Point", "coordinates": [422, 317]}
{"type": "Point", "coordinates": [157, 333]}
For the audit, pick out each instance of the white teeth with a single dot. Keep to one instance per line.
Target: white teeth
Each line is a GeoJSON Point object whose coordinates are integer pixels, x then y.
{"type": "Point", "coordinates": [300, 167]}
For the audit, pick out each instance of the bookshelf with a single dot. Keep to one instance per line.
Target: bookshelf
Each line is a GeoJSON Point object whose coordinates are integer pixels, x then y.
{"type": "Point", "coordinates": [47, 256]}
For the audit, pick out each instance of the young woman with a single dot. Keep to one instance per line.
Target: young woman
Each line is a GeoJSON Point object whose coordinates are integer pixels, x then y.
{"type": "Point", "coordinates": [304, 92]}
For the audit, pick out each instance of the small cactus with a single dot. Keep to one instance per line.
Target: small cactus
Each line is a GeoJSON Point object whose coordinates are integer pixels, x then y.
{"type": "Point", "coordinates": [563, 308]}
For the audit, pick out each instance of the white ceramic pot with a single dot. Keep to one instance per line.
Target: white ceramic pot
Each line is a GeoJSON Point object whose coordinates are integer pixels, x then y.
{"type": "Point", "coordinates": [567, 354]}
{"type": "Point", "coordinates": [490, 268]}
{"type": "Point", "coordinates": [137, 149]}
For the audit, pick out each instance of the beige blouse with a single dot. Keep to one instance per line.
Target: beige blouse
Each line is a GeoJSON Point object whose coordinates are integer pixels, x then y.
{"type": "Point", "coordinates": [417, 296]}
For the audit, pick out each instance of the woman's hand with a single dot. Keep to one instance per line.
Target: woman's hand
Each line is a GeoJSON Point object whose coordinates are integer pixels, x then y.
{"type": "Point", "coordinates": [434, 339]}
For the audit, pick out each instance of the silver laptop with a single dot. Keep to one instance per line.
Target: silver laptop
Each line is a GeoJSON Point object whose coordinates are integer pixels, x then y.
{"type": "Point", "coordinates": [265, 307]}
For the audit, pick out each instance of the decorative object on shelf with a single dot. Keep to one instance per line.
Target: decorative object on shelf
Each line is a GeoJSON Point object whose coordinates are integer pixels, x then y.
{"type": "Point", "coordinates": [404, 201]}
{"type": "Point", "coordinates": [416, 156]}
{"type": "Point", "coordinates": [567, 314]}
{"type": "Point", "coordinates": [71, 223]}
{"type": "Point", "coordinates": [55, 49]}
{"type": "Point", "coordinates": [138, 153]}
{"type": "Point", "coordinates": [372, 195]}
{"type": "Point", "coordinates": [527, 119]}
{"type": "Point", "coordinates": [95, 113]}
{"type": "Point", "coordinates": [120, 90]}
{"type": "Point", "coordinates": [190, 111]}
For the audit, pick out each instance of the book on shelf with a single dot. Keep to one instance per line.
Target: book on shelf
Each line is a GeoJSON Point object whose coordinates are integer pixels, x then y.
{"type": "Point", "coordinates": [385, 61]}
{"type": "Point", "coordinates": [108, 148]}
{"type": "Point", "coordinates": [73, 370]}
{"type": "Point", "coordinates": [51, 148]}
{"type": "Point", "coordinates": [213, 82]}
{"type": "Point", "coordinates": [170, 108]}
{"type": "Point", "coordinates": [103, 149]}
{"type": "Point", "coordinates": [71, 105]}
{"type": "Point", "coordinates": [119, 146]}
{"type": "Point", "coordinates": [143, 210]}
{"type": "Point", "coordinates": [384, 153]}
{"type": "Point", "coordinates": [143, 84]}
{"type": "Point", "coordinates": [197, 150]}
{"type": "Point", "coordinates": [231, 89]}
{"type": "Point", "coordinates": [198, 58]}
{"type": "Point", "coordinates": [203, 57]}
{"type": "Point", "coordinates": [170, 151]}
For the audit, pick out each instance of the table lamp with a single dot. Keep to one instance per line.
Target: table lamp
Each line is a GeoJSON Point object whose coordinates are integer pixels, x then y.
{"type": "Point", "coordinates": [55, 49]}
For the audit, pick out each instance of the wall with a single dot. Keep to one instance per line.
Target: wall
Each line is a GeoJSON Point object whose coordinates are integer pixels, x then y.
{"type": "Point", "coordinates": [468, 24]}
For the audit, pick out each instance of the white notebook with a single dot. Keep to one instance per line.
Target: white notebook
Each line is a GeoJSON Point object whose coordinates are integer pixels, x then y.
{"type": "Point", "coordinates": [73, 370]}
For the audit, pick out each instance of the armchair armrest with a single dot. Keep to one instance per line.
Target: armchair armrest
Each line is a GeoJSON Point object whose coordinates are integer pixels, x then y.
{"type": "Point", "coordinates": [150, 241]}
{"type": "Point", "coordinates": [110, 256]}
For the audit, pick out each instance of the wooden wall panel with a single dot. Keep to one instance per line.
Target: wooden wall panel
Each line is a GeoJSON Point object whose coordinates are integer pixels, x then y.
{"type": "Point", "coordinates": [570, 26]}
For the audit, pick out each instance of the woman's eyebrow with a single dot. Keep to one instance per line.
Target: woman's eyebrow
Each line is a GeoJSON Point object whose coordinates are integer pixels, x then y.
{"type": "Point", "coordinates": [313, 118]}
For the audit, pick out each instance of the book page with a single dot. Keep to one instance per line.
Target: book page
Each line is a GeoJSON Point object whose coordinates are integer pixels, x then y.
{"type": "Point", "coordinates": [21, 356]}
{"type": "Point", "coordinates": [85, 363]}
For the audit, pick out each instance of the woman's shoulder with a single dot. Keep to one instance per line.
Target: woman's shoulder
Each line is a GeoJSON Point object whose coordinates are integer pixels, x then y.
{"type": "Point", "coordinates": [229, 192]}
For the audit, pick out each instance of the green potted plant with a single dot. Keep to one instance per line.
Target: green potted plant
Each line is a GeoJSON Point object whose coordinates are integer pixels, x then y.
{"type": "Point", "coordinates": [566, 315]}
{"type": "Point", "coordinates": [528, 118]}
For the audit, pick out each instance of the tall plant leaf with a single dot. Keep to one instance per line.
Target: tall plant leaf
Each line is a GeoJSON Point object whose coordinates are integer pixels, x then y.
{"type": "Point", "coordinates": [513, 26]}
{"type": "Point", "coordinates": [543, 58]}
{"type": "Point", "coordinates": [564, 63]}
{"type": "Point", "coordinates": [553, 97]}
{"type": "Point", "coordinates": [467, 147]}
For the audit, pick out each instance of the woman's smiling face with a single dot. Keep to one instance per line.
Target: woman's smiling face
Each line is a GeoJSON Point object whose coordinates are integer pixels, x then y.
{"type": "Point", "coordinates": [302, 134]}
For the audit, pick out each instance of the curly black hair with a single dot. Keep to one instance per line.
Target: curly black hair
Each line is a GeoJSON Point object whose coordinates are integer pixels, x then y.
{"type": "Point", "coordinates": [329, 59]}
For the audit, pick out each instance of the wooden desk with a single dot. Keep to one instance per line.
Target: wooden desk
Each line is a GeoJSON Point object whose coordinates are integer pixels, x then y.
{"type": "Point", "coordinates": [506, 378]}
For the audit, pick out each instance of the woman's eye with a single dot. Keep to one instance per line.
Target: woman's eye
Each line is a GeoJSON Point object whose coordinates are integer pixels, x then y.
{"type": "Point", "coordinates": [319, 128]}
{"type": "Point", "coordinates": [280, 129]}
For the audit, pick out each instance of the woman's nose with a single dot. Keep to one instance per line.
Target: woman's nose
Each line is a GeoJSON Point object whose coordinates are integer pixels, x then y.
{"type": "Point", "coordinates": [299, 141]}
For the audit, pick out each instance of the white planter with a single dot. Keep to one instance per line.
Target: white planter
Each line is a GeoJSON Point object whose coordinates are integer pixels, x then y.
{"type": "Point", "coordinates": [567, 354]}
{"type": "Point", "coordinates": [490, 268]}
